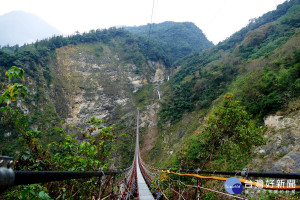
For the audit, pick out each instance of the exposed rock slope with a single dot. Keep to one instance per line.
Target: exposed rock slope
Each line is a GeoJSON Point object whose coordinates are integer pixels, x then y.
{"type": "Point", "coordinates": [282, 151]}
{"type": "Point", "coordinates": [87, 85]}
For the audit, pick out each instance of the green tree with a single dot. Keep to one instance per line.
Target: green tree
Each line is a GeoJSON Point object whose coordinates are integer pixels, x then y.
{"type": "Point", "coordinates": [227, 139]}
{"type": "Point", "coordinates": [13, 91]}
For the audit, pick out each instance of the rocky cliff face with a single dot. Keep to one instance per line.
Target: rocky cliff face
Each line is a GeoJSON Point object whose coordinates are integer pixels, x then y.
{"type": "Point", "coordinates": [149, 121]}
{"type": "Point", "coordinates": [104, 86]}
{"type": "Point", "coordinates": [282, 151]}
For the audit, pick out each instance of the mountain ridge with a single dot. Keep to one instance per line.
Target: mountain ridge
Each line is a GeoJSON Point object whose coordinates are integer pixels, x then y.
{"type": "Point", "coordinates": [19, 27]}
{"type": "Point", "coordinates": [177, 39]}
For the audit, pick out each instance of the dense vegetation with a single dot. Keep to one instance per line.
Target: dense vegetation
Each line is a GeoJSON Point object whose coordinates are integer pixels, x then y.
{"type": "Point", "coordinates": [205, 76]}
{"type": "Point", "coordinates": [67, 154]}
{"type": "Point", "coordinates": [28, 56]}
{"type": "Point", "coordinates": [227, 140]}
{"type": "Point", "coordinates": [176, 39]}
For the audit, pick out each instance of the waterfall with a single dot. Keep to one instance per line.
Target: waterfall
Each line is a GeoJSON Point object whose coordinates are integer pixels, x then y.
{"type": "Point", "coordinates": [158, 94]}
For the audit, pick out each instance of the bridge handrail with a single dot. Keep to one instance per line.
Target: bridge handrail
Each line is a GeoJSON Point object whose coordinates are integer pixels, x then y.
{"type": "Point", "coordinates": [9, 178]}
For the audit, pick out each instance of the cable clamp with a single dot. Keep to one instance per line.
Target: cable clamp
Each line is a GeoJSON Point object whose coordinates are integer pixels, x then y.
{"type": "Point", "coordinates": [244, 172]}
{"type": "Point", "coordinates": [101, 170]}
{"type": "Point", "coordinates": [198, 170]}
{"type": "Point", "coordinates": [100, 177]}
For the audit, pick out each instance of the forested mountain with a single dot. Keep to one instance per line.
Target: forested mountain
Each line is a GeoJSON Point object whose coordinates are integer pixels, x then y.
{"type": "Point", "coordinates": [253, 73]}
{"type": "Point", "coordinates": [205, 76]}
{"type": "Point", "coordinates": [177, 39]}
{"type": "Point", "coordinates": [20, 27]}
{"type": "Point", "coordinates": [201, 106]}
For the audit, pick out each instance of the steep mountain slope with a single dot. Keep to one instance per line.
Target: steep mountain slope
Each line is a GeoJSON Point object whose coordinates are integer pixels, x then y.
{"type": "Point", "coordinates": [259, 65]}
{"type": "Point", "coordinates": [72, 79]}
{"type": "Point", "coordinates": [109, 73]}
{"type": "Point", "coordinates": [204, 76]}
{"type": "Point", "coordinates": [20, 27]}
{"type": "Point", "coordinates": [177, 39]}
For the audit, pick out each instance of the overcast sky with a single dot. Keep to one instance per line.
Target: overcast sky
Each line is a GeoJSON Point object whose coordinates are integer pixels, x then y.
{"type": "Point", "coordinates": [218, 19]}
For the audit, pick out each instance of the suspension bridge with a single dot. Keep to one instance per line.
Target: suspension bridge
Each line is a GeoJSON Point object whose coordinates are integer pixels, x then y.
{"type": "Point", "coordinates": [140, 181]}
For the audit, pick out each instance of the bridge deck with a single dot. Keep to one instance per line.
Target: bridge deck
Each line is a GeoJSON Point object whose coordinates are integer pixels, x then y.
{"type": "Point", "coordinates": [144, 192]}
